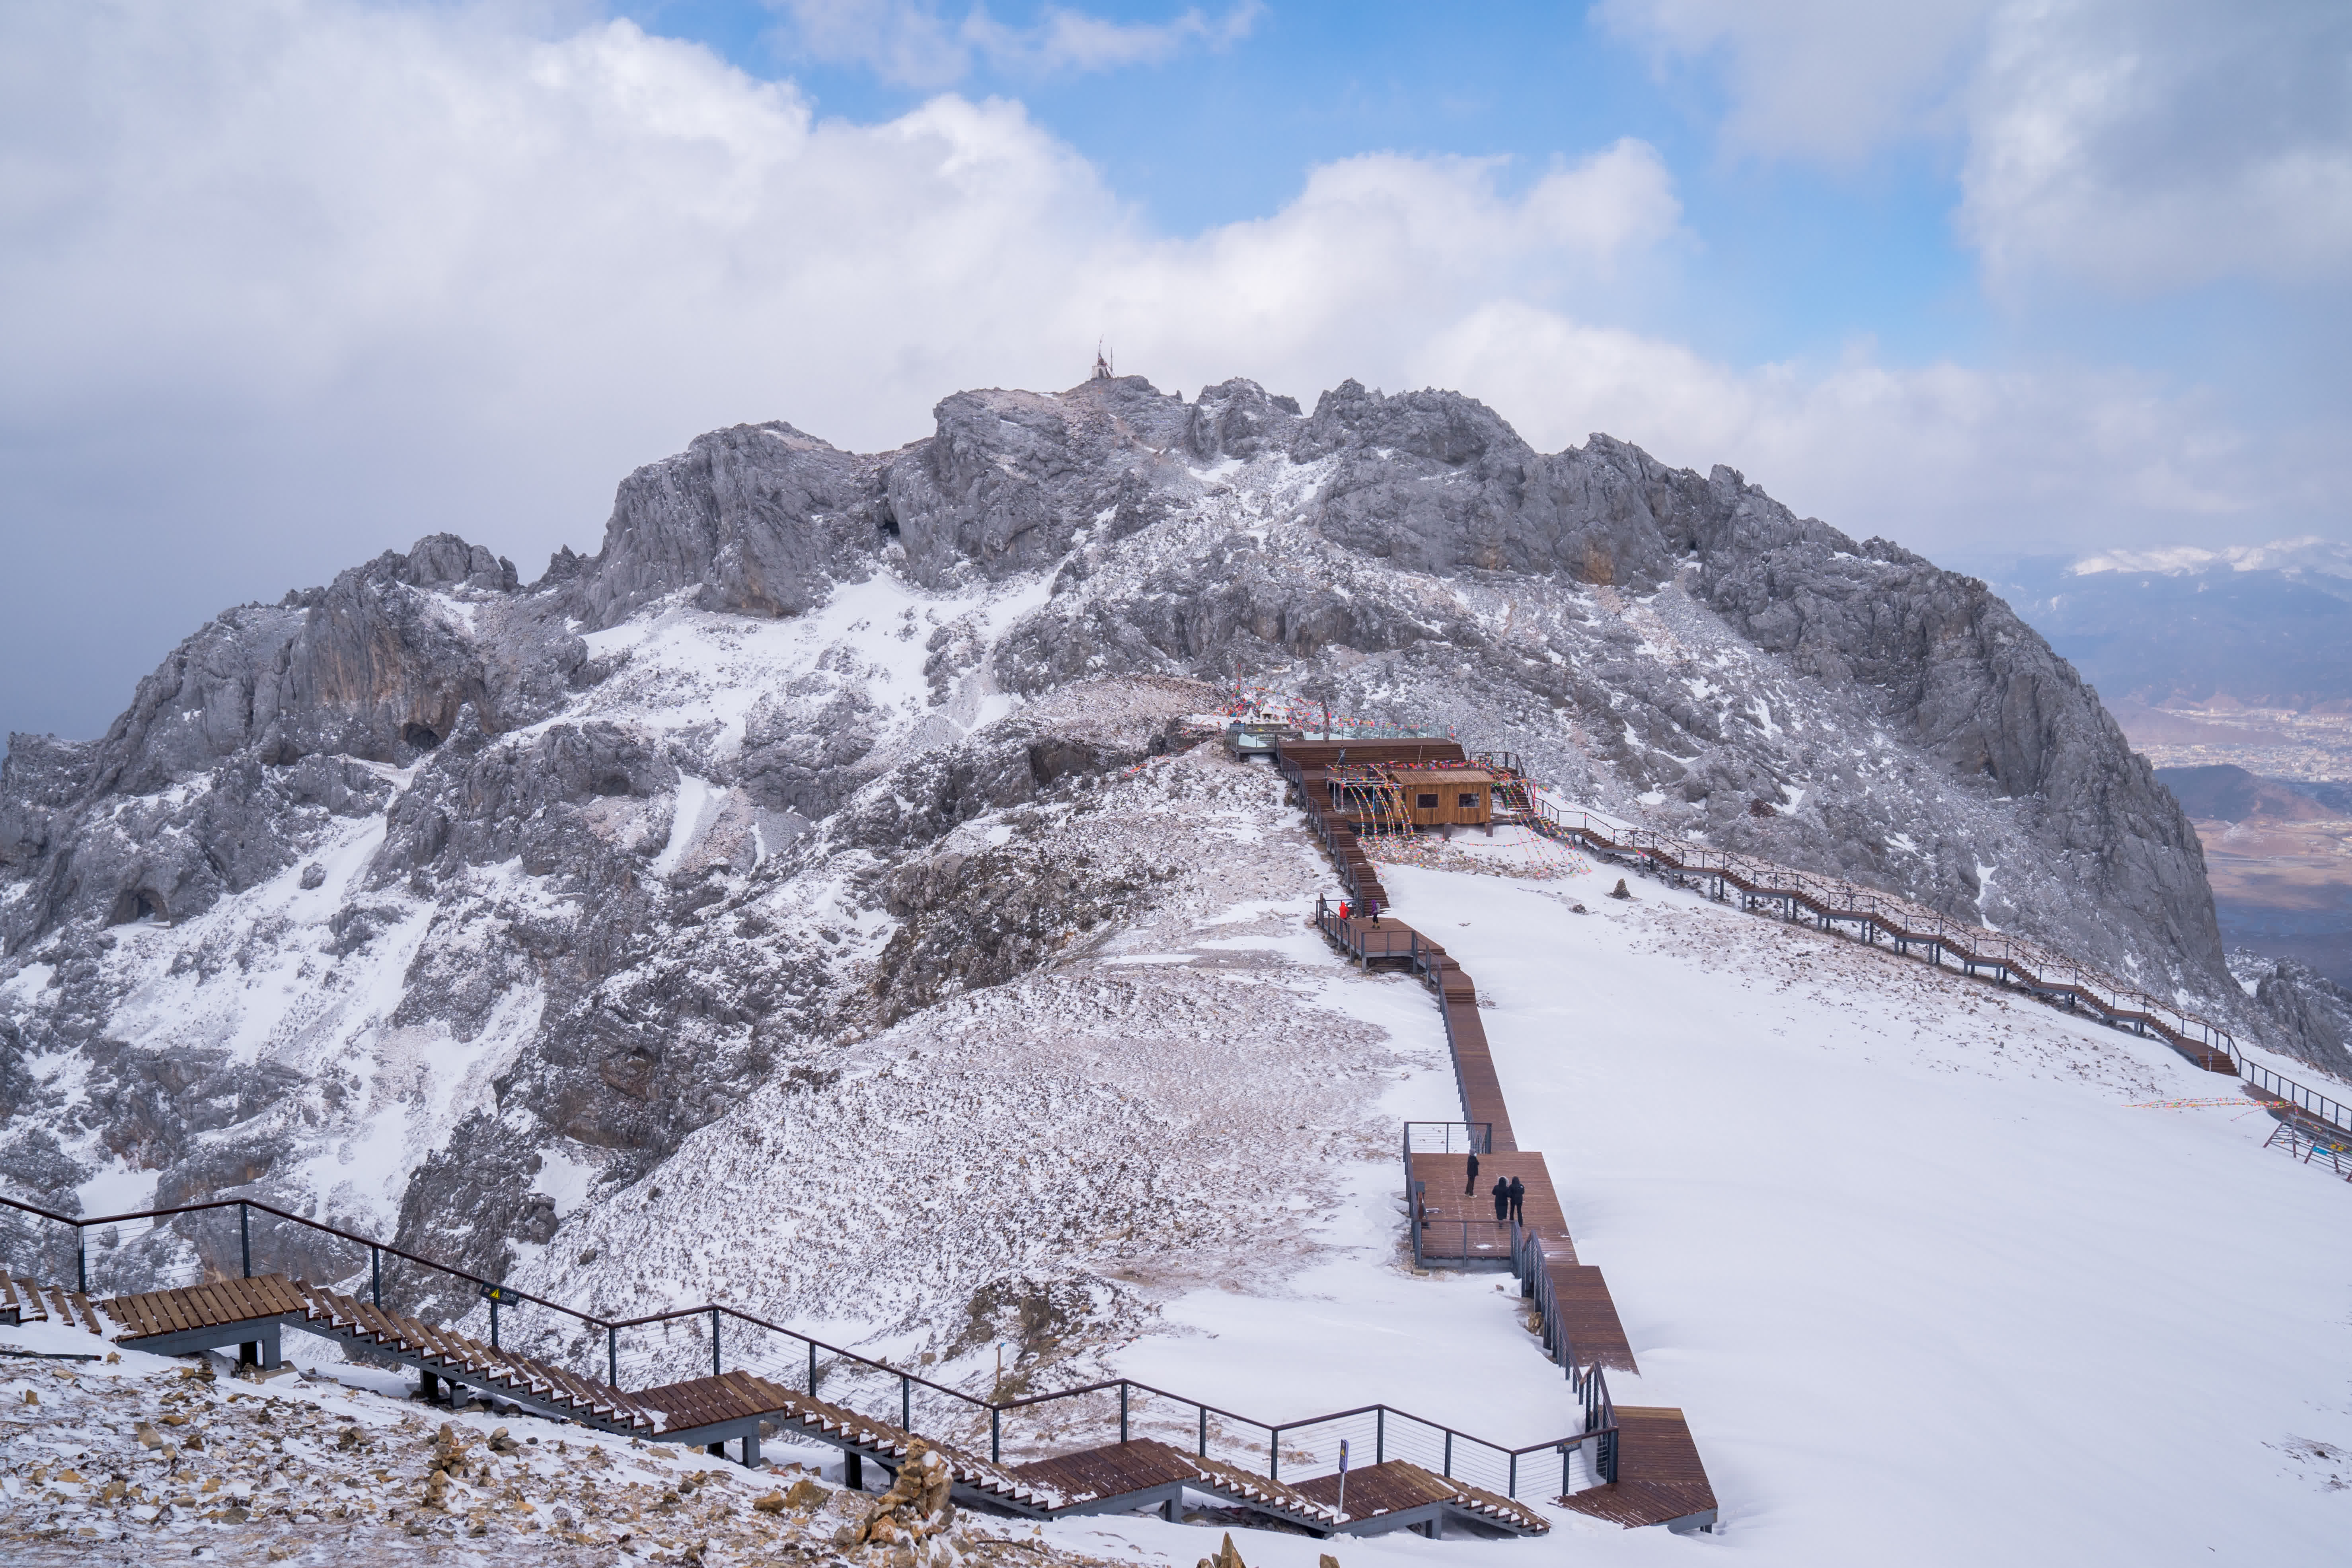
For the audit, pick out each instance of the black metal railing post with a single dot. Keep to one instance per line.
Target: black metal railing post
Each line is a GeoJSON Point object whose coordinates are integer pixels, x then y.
{"type": "Point", "coordinates": [612, 1356]}
{"type": "Point", "coordinates": [81, 1261]}
{"type": "Point", "coordinates": [1381, 1434]}
{"type": "Point", "coordinates": [244, 1237]}
{"type": "Point", "coordinates": [905, 1402]}
{"type": "Point", "coordinates": [995, 1435]}
{"type": "Point", "coordinates": [1449, 1453]}
{"type": "Point", "coordinates": [1122, 1410]}
{"type": "Point", "coordinates": [375, 1278]}
{"type": "Point", "coordinates": [494, 1322]}
{"type": "Point", "coordinates": [1273, 1453]}
{"type": "Point", "coordinates": [714, 1342]}
{"type": "Point", "coordinates": [812, 1344]}
{"type": "Point", "coordinates": [1205, 1431]}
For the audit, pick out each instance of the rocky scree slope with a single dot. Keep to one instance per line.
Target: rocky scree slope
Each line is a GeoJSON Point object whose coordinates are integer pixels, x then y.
{"type": "Point", "coordinates": [443, 904]}
{"type": "Point", "coordinates": [137, 1458]}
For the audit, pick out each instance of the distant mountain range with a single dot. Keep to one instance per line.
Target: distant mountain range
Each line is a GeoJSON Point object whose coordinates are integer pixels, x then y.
{"type": "Point", "coordinates": [2252, 626]}
{"type": "Point", "coordinates": [2222, 792]}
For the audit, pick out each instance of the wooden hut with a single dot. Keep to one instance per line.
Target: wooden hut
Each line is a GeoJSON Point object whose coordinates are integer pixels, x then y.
{"type": "Point", "coordinates": [1445, 797]}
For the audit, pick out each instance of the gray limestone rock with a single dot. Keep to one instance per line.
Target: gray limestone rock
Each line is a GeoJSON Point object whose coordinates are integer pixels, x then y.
{"type": "Point", "coordinates": [1011, 477]}
{"type": "Point", "coordinates": [759, 519]}
{"type": "Point", "coordinates": [2313, 1014]}
{"type": "Point", "coordinates": [564, 803]}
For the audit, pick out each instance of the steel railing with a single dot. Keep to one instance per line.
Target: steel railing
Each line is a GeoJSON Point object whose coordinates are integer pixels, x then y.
{"type": "Point", "coordinates": [1461, 1240]}
{"type": "Point", "coordinates": [1448, 1138]}
{"type": "Point", "coordinates": [239, 1238]}
{"type": "Point", "coordinates": [1912, 931]}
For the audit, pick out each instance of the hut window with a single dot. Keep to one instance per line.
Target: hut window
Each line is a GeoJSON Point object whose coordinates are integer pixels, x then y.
{"type": "Point", "coordinates": [1427, 802]}
{"type": "Point", "coordinates": [1470, 801]}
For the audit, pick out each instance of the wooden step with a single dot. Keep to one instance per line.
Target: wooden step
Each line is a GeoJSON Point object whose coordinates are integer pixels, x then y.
{"type": "Point", "coordinates": [1143, 1470]}
{"type": "Point", "coordinates": [1397, 1495]}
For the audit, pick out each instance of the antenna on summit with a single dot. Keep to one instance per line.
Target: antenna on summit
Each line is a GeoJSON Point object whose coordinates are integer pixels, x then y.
{"type": "Point", "coordinates": [1102, 363]}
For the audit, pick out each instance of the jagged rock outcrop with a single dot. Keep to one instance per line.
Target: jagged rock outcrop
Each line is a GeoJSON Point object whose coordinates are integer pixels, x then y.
{"type": "Point", "coordinates": [759, 519]}
{"type": "Point", "coordinates": [1012, 477]}
{"type": "Point", "coordinates": [2313, 1014]}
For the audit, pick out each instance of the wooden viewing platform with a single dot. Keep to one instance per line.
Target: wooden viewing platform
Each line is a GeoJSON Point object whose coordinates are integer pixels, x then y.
{"type": "Point", "coordinates": [1446, 1212]}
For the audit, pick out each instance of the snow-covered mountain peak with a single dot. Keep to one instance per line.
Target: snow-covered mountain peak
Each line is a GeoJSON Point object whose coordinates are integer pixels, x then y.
{"type": "Point", "coordinates": [395, 897]}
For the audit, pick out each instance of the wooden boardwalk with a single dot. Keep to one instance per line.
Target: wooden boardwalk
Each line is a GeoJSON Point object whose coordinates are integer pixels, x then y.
{"type": "Point", "coordinates": [1391, 942]}
{"type": "Point", "coordinates": [1659, 1478]}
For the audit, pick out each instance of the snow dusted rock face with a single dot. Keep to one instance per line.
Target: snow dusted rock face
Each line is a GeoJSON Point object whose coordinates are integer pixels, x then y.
{"type": "Point", "coordinates": [759, 519]}
{"type": "Point", "coordinates": [1678, 649]}
{"type": "Point", "coordinates": [438, 904]}
{"type": "Point", "coordinates": [2314, 1014]}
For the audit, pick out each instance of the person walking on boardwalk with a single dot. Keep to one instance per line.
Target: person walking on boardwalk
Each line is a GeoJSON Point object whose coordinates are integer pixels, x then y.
{"type": "Point", "coordinates": [1502, 1200]}
{"type": "Point", "coordinates": [1472, 1185]}
{"type": "Point", "coordinates": [1519, 1190]}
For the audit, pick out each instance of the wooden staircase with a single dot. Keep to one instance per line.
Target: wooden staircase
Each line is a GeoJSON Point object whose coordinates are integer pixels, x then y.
{"type": "Point", "coordinates": [732, 1406]}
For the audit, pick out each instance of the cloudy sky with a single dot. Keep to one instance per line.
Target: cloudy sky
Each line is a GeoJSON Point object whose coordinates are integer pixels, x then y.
{"type": "Point", "coordinates": [287, 282]}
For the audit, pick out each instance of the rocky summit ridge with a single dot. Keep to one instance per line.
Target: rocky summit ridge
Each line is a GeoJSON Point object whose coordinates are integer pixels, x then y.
{"type": "Point", "coordinates": [455, 906]}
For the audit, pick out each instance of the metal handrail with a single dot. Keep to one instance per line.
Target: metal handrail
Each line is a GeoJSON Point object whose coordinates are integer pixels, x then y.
{"type": "Point", "coordinates": [2049, 976]}
{"type": "Point", "coordinates": [1477, 1138]}
{"type": "Point", "coordinates": [906, 1380]}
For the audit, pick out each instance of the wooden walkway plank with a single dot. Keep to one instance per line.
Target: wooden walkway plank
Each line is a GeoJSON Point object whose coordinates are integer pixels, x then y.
{"type": "Point", "coordinates": [1584, 1318]}
{"type": "Point", "coordinates": [1660, 1479]}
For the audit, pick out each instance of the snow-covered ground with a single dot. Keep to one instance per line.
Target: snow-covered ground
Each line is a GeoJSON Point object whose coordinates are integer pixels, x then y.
{"type": "Point", "coordinates": [1930, 1283]}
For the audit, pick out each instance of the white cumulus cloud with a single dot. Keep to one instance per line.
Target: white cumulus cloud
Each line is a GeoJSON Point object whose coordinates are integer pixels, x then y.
{"type": "Point", "coordinates": [2151, 144]}
{"type": "Point", "coordinates": [2136, 144]}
